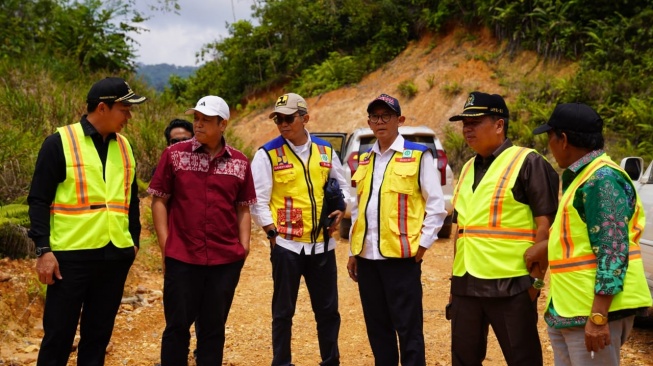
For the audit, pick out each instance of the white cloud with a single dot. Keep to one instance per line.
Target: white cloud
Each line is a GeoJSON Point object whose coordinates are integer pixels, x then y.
{"type": "Point", "coordinates": [176, 38]}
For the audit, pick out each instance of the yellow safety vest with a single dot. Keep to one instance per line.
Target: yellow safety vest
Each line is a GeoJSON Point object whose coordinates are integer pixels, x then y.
{"type": "Point", "coordinates": [401, 206]}
{"type": "Point", "coordinates": [494, 229]}
{"type": "Point", "coordinates": [298, 189]}
{"type": "Point", "coordinates": [89, 212]}
{"type": "Point", "coordinates": [573, 263]}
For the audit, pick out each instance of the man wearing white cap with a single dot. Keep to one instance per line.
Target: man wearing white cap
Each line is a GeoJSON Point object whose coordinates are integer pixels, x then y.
{"type": "Point", "coordinates": [290, 172]}
{"type": "Point", "coordinates": [202, 189]}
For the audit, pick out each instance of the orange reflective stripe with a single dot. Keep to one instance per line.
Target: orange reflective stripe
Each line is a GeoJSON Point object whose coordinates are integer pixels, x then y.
{"type": "Point", "coordinates": [78, 210]}
{"type": "Point", "coordinates": [402, 223]}
{"type": "Point", "coordinates": [497, 233]}
{"type": "Point", "coordinates": [586, 261]}
{"type": "Point", "coordinates": [496, 208]}
{"type": "Point", "coordinates": [118, 207]}
{"type": "Point", "coordinates": [460, 180]}
{"type": "Point", "coordinates": [565, 239]}
{"type": "Point", "coordinates": [126, 163]}
{"type": "Point", "coordinates": [78, 164]}
{"type": "Point", "coordinates": [565, 234]}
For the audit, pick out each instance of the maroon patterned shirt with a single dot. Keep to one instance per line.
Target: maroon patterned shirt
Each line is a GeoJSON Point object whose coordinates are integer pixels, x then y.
{"type": "Point", "coordinates": [204, 194]}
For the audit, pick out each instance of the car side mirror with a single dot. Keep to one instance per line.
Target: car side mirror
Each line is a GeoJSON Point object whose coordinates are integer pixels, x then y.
{"type": "Point", "coordinates": [633, 166]}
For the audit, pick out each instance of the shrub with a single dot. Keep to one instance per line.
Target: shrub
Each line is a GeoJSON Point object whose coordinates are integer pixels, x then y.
{"type": "Point", "coordinates": [407, 88]}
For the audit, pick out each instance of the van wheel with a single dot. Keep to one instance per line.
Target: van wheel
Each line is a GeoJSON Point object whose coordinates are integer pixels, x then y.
{"type": "Point", "coordinates": [345, 225]}
{"type": "Point", "coordinates": [445, 232]}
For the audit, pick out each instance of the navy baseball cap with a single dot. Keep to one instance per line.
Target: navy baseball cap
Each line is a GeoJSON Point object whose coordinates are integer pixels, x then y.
{"type": "Point", "coordinates": [483, 104]}
{"type": "Point", "coordinates": [577, 117]}
{"type": "Point", "coordinates": [391, 102]}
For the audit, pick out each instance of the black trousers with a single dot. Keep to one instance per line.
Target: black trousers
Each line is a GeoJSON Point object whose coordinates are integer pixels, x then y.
{"type": "Point", "coordinates": [200, 294]}
{"type": "Point", "coordinates": [92, 288]}
{"type": "Point", "coordinates": [322, 283]}
{"type": "Point", "coordinates": [513, 320]}
{"type": "Point", "coordinates": [391, 296]}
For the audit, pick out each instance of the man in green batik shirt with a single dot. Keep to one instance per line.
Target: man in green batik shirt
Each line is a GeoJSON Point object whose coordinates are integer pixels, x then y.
{"type": "Point", "coordinates": [597, 275]}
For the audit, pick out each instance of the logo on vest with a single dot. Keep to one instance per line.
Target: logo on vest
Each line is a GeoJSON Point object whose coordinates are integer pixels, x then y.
{"type": "Point", "coordinates": [406, 157]}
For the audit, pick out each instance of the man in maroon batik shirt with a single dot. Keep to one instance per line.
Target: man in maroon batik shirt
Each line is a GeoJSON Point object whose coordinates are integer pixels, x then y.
{"type": "Point", "coordinates": [202, 190]}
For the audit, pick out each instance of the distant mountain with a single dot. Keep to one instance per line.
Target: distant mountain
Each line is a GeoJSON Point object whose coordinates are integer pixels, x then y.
{"type": "Point", "coordinates": [158, 75]}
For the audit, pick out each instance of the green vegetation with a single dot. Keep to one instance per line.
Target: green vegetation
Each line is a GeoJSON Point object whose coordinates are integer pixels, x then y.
{"type": "Point", "coordinates": [407, 88]}
{"type": "Point", "coordinates": [452, 89]}
{"type": "Point", "coordinates": [51, 51]}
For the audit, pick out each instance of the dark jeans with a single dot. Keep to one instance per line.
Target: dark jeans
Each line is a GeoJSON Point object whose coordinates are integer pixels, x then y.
{"type": "Point", "coordinates": [513, 319]}
{"type": "Point", "coordinates": [391, 296]}
{"type": "Point", "coordinates": [92, 288]}
{"type": "Point", "coordinates": [322, 284]}
{"type": "Point", "coordinates": [200, 294]}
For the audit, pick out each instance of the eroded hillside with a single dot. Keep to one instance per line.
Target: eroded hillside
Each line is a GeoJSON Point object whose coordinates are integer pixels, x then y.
{"type": "Point", "coordinates": [444, 68]}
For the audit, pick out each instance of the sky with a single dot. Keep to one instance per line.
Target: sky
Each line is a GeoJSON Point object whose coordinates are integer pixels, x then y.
{"type": "Point", "coordinates": [175, 38]}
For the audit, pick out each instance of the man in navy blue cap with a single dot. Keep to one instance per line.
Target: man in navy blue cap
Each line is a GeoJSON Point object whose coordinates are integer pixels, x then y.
{"type": "Point", "coordinates": [504, 203]}
{"type": "Point", "coordinates": [396, 218]}
{"type": "Point", "coordinates": [597, 275]}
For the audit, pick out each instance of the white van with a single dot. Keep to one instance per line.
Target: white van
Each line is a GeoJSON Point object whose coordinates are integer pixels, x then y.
{"type": "Point", "coordinates": [634, 166]}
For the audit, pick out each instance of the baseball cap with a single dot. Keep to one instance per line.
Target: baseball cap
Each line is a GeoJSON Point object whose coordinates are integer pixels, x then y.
{"type": "Point", "coordinates": [483, 104]}
{"type": "Point", "coordinates": [391, 102]}
{"type": "Point", "coordinates": [113, 89]}
{"type": "Point", "coordinates": [211, 105]}
{"type": "Point", "coordinates": [577, 117]}
{"type": "Point", "coordinates": [288, 104]}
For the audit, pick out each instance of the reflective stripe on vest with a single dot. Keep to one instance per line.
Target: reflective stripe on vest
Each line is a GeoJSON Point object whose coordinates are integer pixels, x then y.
{"type": "Point", "coordinates": [298, 189]}
{"type": "Point", "coordinates": [573, 262]}
{"type": "Point", "coordinates": [492, 224]}
{"type": "Point", "coordinates": [89, 212]}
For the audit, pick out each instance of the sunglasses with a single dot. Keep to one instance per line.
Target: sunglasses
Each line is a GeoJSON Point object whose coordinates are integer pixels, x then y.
{"type": "Point", "coordinates": [279, 119]}
{"type": "Point", "coordinates": [174, 141]}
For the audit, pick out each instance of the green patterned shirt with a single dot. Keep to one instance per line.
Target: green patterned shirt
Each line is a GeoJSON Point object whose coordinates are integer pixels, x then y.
{"type": "Point", "coordinates": [605, 202]}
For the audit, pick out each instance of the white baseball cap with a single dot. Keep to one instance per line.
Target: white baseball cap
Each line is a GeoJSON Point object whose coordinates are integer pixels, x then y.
{"type": "Point", "coordinates": [211, 105]}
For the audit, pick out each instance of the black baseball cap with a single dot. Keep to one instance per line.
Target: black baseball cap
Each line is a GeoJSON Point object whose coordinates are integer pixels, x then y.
{"type": "Point", "coordinates": [113, 89]}
{"type": "Point", "coordinates": [385, 99]}
{"type": "Point", "coordinates": [483, 104]}
{"type": "Point", "coordinates": [577, 117]}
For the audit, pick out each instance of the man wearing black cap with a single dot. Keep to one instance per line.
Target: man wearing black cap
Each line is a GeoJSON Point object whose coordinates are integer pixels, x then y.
{"type": "Point", "coordinates": [83, 208]}
{"type": "Point", "coordinates": [396, 218]}
{"type": "Point", "coordinates": [597, 276]}
{"type": "Point", "coordinates": [504, 204]}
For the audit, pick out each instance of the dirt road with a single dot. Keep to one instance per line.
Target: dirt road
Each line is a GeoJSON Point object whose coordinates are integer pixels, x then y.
{"type": "Point", "coordinates": [140, 323]}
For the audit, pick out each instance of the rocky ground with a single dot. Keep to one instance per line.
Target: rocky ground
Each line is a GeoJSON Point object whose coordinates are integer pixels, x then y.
{"type": "Point", "coordinates": [140, 323]}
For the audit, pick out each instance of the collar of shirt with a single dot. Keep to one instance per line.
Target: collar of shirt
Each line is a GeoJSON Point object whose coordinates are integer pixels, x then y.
{"type": "Point", "coordinates": [397, 145]}
{"type": "Point", "coordinates": [301, 148]}
{"type": "Point", "coordinates": [90, 130]}
{"type": "Point", "coordinates": [226, 151]}
{"type": "Point", "coordinates": [486, 162]}
{"type": "Point", "coordinates": [572, 171]}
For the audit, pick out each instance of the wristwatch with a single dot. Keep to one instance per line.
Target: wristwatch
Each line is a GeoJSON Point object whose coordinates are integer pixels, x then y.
{"type": "Point", "coordinates": [598, 319]}
{"type": "Point", "coordinates": [272, 233]}
{"type": "Point", "coordinates": [538, 283]}
{"type": "Point", "coordinates": [39, 251]}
